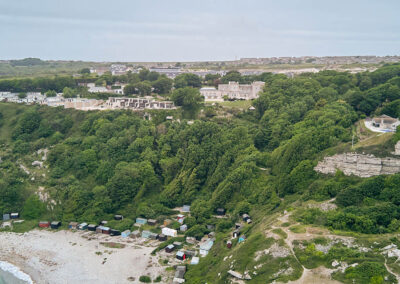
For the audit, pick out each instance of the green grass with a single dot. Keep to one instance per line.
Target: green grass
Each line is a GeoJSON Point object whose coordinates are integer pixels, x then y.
{"type": "Point", "coordinates": [298, 229]}
{"type": "Point", "coordinates": [112, 245]}
{"type": "Point", "coordinates": [280, 232]}
{"type": "Point", "coordinates": [235, 104]}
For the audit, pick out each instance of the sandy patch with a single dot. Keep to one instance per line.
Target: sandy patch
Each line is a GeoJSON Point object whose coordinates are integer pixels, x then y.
{"type": "Point", "coordinates": [78, 257]}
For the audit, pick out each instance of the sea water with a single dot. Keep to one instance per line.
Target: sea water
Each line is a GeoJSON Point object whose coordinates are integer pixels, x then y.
{"type": "Point", "coordinates": [10, 274]}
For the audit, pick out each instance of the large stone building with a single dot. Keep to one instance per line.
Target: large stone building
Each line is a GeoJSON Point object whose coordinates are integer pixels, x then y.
{"type": "Point", "coordinates": [137, 103]}
{"type": "Point", "coordinates": [233, 90]}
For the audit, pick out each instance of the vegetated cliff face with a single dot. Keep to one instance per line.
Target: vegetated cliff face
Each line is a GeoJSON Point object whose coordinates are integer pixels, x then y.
{"type": "Point", "coordinates": [359, 165]}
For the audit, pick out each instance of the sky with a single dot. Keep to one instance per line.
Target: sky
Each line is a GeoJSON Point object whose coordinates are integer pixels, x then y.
{"type": "Point", "coordinates": [201, 30]}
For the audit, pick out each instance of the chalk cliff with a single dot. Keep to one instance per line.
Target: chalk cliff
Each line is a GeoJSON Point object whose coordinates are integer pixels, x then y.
{"type": "Point", "coordinates": [358, 165]}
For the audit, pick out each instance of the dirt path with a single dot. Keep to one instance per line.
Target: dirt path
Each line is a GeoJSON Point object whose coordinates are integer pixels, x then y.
{"type": "Point", "coordinates": [392, 272]}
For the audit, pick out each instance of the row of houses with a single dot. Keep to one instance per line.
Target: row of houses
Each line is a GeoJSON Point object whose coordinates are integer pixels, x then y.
{"type": "Point", "coordinates": [232, 91]}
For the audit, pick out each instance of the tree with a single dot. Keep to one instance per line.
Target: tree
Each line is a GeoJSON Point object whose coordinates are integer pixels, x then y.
{"type": "Point", "coordinates": [163, 85]}
{"type": "Point", "coordinates": [33, 208]}
{"type": "Point", "coordinates": [187, 80]}
{"type": "Point", "coordinates": [129, 89]}
{"type": "Point", "coordinates": [143, 88]}
{"type": "Point", "coordinates": [84, 71]}
{"type": "Point", "coordinates": [231, 76]}
{"type": "Point", "coordinates": [189, 99]}
{"type": "Point", "coordinates": [51, 93]}
{"type": "Point", "coordinates": [22, 95]}
{"type": "Point", "coordinates": [68, 93]}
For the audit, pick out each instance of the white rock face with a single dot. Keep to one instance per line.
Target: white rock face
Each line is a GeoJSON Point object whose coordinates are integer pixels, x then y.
{"type": "Point", "coordinates": [397, 148]}
{"type": "Point", "coordinates": [358, 165]}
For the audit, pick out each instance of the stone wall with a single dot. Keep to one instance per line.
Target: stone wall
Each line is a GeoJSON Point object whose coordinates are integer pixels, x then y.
{"type": "Point", "coordinates": [358, 165]}
{"type": "Point", "coordinates": [397, 148]}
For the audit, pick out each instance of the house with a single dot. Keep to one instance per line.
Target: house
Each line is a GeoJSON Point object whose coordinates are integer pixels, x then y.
{"type": "Point", "coordinates": [167, 222]}
{"type": "Point", "coordinates": [83, 226]}
{"type": "Point", "coordinates": [152, 222]}
{"type": "Point", "coordinates": [229, 244]}
{"type": "Point", "coordinates": [44, 224]}
{"type": "Point", "coordinates": [180, 218]}
{"type": "Point", "coordinates": [14, 215]}
{"type": "Point", "coordinates": [114, 232]}
{"type": "Point", "coordinates": [103, 230]}
{"type": "Point", "coordinates": [169, 248]}
{"type": "Point", "coordinates": [55, 224]}
{"type": "Point", "coordinates": [141, 221]}
{"type": "Point", "coordinates": [118, 217]}
{"type": "Point", "coordinates": [211, 235]}
{"type": "Point", "coordinates": [146, 234]}
{"type": "Point", "coordinates": [236, 233]}
{"type": "Point", "coordinates": [99, 229]}
{"type": "Point", "coordinates": [6, 217]}
{"type": "Point", "coordinates": [162, 237]}
{"type": "Point", "coordinates": [210, 227]}
{"type": "Point", "coordinates": [183, 228]}
{"type": "Point", "coordinates": [125, 233]}
{"type": "Point", "coordinates": [220, 211]}
{"type": "Point", "coordinates": [5, 225]}
{"type": "Point", "coordinates": [177, 244]}
{"type": "Point", "coordinates": [232, 91]}
{"type": "Point", "coordinates": [179, 274]}
{"type": "Point", "coordinates": [238, 225]}
{"type": "Point", "coordinates": [195, 260]}
{"type": "Point", "coordinates": [169, 232]}
{"type": "Point", "coordinates": [103, 223]}
{"type": "Point", "coordinates": [153, 236]}
{"type": "Point", "coordinates": [245, 217]}
{"type": "Point", "coordinates": [92, 227]}
{"type": "Point", "coordinates": [186, 208]}
{"type": "Point", "coordinates": [180, 255]}
{"type": "Point", "coordinates": [385, 123]}
{"type": "Point", "coordinates": [249, 221]}
{"type": "Point", "coordinates": [73, 225]}
{"type": "Point", "coordinates": [206, 247]}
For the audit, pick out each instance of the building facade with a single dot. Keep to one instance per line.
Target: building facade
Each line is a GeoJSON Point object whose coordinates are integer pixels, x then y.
{"type": "Point", "coordinates": [233, 91]}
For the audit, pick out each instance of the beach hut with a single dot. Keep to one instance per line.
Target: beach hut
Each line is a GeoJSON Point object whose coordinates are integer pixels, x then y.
{"type": "Point", "coordinates": [83, 226]}
{"type": "Point", "coordinates": [180, 218]}
{"type": "Point", "coordinates": [146, 234]}
{"type": "Point", "coordinates": [125, 233]}
{"type": "Point", "coordinates": [235, 234]}
{"type": "Point", "coordinates": [6, 216]}
{"type": "Point", "coordinates": [190, 253]}
{"type": "Point", "coordinates": [245, 217]}
{"type": "Point", "coordinates": [211, 235]}
{"type": "Point", "coordinates": [103, 223]}
{"type": "Point", "coordinates": [191, 240]}
{"type": "Point", "coordinates": [135, 234]}
{"type": "Point", "coordinates": [180, 255]}
{"type": "Point", "coordinates": [118, 217]}
{"type": "Point", "coordinates": [183, 228]}
{"type": "Point", "coordinates": [167, 222]}
{"type": "Point", "coordinates": [55, 224]}
{"type": "Point", "coordinates": [205, 247]}
{"type": "Point", "coordinates": [44, 224]}
{"type": "Point", "coordinates": [186, 208]}
{"type": "Point", "coordinates": [228, 244]}
{"type": "Point", "coordinates": [141, 221]}
{"type": "Point", "coordinates": [220, 211]}
{"type": "Point", "coordinates": [179, 276]}
{"type": "Point", "coordinates": [114, 232]}
{"type": "Point", "coordinates": [238, 226]}
{"type": "Point", "coordinates": [249, 221]}
{"type": "Point", "coordinates": [99, 229]}
{"type": "Point", "coordinates": [169, 232]}
{"type": "Point", "coordinates": [169, 248]}
{"type": "Point", "coordinates": [162, 237]}
{"type": "Point", "coordinates": [73, 225]}
{"type": "Point", "coordinates": [177, 244]}
{"type": "Point", "coordinates": [152, 222]}
{"type": "Point", "coordinates": [242, 239]}
{"type": "Point", "coordinates": [92, 227]}
{"type": "Point", "coordinates": [106, 230]}
{"type": "Point", "coordinates": [14, 215]}
{"type": "Point", "coordinates": [153, 236]}
{"type": "Point", "coordinates": [195, 260]}
{"type": "Point", "coordinates": [5, 225]}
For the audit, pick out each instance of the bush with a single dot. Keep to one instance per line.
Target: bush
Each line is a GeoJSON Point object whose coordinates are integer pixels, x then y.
{"type": "Point", "coordinates": [145, 279]}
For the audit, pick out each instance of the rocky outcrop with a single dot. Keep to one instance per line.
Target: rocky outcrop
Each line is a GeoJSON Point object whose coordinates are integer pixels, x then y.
{"type": "Point", "coordinates": [397, 148]}
{"type": "Point", "coordinates": [358, 165]}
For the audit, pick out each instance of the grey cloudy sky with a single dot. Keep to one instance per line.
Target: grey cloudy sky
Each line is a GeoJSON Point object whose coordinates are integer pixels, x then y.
{"type": "Point", "coordinates": [187, 30]}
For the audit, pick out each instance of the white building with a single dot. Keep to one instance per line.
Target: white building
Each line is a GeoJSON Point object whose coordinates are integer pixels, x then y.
{"type": "Point", "coordinates": [94, 89]}
{"type": "Point", "coordinates": [169, 232]}
{"type": "Point", "coordinates": [233, 90]}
